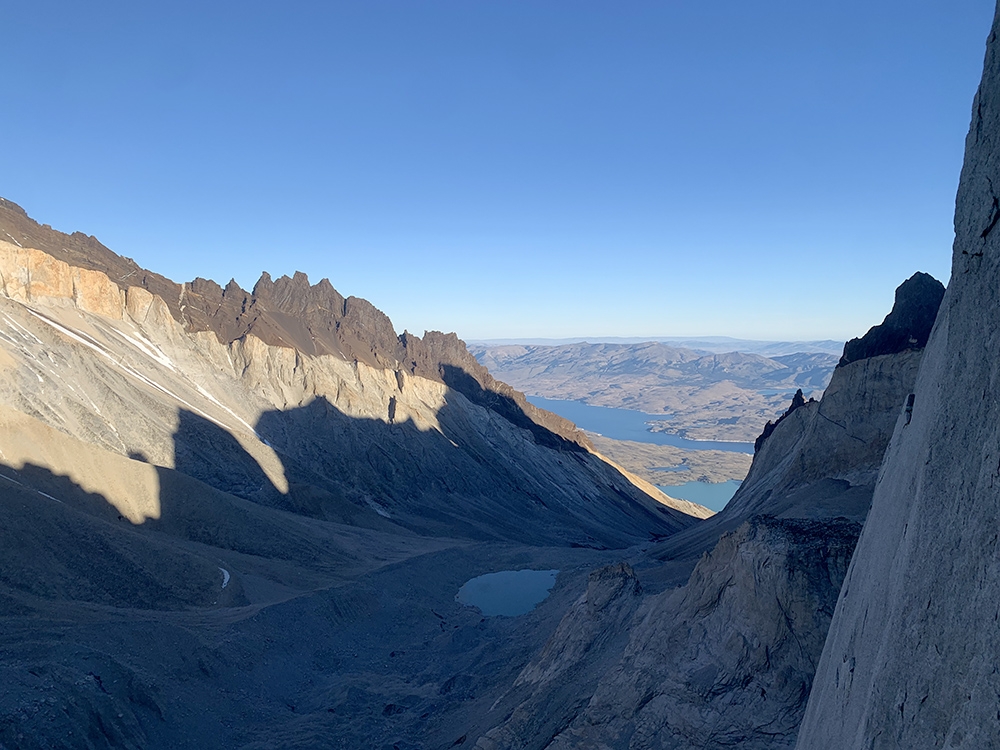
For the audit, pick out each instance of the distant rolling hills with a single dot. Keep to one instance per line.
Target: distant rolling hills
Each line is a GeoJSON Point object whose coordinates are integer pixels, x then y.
{"type": "Point", "coordinates": [709, 395]}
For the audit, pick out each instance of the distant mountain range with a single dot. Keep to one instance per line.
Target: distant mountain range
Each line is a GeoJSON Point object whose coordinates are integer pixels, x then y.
{"type": "Point", "coordinates": [710, 396]}
{"type": "Point", "coordinates": [701, 344]}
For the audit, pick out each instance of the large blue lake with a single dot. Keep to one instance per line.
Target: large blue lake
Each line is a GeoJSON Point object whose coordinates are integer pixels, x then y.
{"type": "Point", "coordinates": [626, 424]}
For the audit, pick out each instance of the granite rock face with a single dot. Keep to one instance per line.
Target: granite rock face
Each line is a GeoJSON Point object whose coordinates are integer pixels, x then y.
{"type": "Point", "coordinates": [910, 660]}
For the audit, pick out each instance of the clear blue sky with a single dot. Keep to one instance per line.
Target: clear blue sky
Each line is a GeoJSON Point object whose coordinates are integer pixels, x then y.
{"type": "Point", "coordinates": [509, 168]}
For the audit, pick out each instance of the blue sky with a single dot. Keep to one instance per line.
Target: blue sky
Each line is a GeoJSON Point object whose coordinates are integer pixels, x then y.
{"type": "Point", "coordinates": [510, 168]}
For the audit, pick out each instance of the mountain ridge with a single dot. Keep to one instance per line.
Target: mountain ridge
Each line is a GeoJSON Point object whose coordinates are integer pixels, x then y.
{"type": "Point", "coordinates": [291, 312]}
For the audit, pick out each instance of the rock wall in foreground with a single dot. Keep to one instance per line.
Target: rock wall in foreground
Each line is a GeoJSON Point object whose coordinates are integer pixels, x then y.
{"type": "Point", "coordinates": [911, 658]}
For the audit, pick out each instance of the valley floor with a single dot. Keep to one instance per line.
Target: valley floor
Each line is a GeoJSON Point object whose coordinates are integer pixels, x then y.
{"type": "Point", "coordinates": [388, 659]}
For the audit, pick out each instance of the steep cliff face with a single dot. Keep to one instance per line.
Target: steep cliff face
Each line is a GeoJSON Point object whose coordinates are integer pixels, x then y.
{"type": "Point", "coordinates": [910, 658]}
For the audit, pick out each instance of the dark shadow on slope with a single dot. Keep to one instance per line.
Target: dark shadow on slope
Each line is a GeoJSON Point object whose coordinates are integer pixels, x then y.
{"type": "Point", "coordinates": [73, 545]}
{"type": "Point", "coordinates": [59, 542]}
{"type": "Point", "coordinates": [458, 481]}
{"type": "Point", "coordinates": [459, 380]}
{"type": "Point", "coordinates": [508, 478]}
{"type": "Point", "coordinates": [210, 454]}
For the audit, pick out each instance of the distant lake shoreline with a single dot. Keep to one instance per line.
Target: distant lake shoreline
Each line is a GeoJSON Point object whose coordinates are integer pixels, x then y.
{"type": "Point", "coordinates": [628, 424]}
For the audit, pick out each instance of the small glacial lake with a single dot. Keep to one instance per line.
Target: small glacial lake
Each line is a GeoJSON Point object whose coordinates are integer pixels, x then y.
{"type": "Point", "coordinates": [509, 592]}
{"type": "Point", "coordinates": [713, 496]}
{"type": "Point", "coordinates": [626, 424]}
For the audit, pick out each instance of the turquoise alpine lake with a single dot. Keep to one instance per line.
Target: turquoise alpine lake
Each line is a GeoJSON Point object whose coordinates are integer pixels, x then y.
{"type": "Point", "coordinates": [712, 496]}
{"type": "Point", "coordinates": [627, 424]}
{"type": "Point", "coordinates": [508, 592]}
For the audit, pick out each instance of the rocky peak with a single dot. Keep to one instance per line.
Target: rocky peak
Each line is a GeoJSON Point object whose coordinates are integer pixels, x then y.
{"type": "Point", "coordinates": [908, 324]}
{"type": "Point", "coordinates": [797, 400]}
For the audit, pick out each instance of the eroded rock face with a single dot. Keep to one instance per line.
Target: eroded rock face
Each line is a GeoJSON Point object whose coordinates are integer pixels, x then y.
{"type": "Point", "coordinates": [910, 660]}
{"type": "Point", "coordinates": [314, 433]}
{"type": "Point", "coordinates": [725, 661]}
{"type": "Point", "coordinates": [551, 689]}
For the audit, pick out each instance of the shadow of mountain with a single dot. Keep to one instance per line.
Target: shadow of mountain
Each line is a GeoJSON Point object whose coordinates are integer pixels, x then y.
{"type": "Point", "coordinates": [160, 535]}
{"type": "Point", "coordinates": [474, 479]}
{"type": "Point", "coordinates": [210, 454]}
{"type": "Point", "coordinates": [480, 477]}
{"type": "Point", "coordinates": [459, 380]}
{"type": "Point", "coordinates": [61, 542]}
